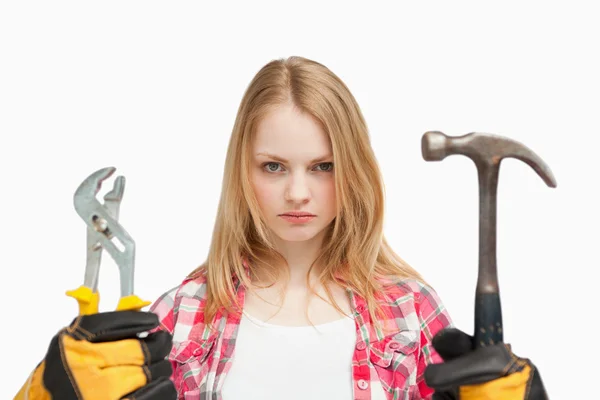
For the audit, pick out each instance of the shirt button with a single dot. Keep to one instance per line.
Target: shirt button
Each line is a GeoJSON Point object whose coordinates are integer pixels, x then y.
{"type": "Point", "coordinates": [394, 345]}
{"type": "Point", "coordinates": [361, 346]}
{"type": "Point", "coordinates": [362, 384]}
{"type": "Point", "coordinates": [361, 308]}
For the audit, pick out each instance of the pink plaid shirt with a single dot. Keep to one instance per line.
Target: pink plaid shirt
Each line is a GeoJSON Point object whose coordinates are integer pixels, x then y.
{"type": "Point", "coordinates": [201, 358]}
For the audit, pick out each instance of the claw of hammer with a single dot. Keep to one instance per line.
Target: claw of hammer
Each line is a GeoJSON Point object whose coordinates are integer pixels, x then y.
{"type": "Point", "coordinates": [486, 151]}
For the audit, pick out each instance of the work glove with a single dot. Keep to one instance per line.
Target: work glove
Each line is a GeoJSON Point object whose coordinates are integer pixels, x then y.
{"type": "Point", "coordinates": [487, 373]}
{"type": "Point", "coordinates": [103, 357]}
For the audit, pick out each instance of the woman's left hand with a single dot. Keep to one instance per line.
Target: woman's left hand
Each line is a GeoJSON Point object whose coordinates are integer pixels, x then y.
{"type": "Point", "coordinates": [486, 373]}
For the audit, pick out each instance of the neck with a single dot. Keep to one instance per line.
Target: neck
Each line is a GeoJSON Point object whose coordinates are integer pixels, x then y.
{"type": "Point", "coordinates": [300, 256]}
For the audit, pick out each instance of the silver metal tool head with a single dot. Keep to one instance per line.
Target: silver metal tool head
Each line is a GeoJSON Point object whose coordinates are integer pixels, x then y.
{"type": "Point", "coordinates": [103, 229]}
{"type": "Point", "coordinates": [483, 148]}
{"type": "Point", "coordinates": [112, 201]}
{"type": "Point", "coordinates": [89, 188]}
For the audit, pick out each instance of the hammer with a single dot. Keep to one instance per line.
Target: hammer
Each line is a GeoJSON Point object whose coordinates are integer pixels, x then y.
{"type": "Point", "coordinates": [486, 151]}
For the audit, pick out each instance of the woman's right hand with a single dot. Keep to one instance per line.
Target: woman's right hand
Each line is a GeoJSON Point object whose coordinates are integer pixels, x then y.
{"type": "Point", "coordinates": [102, 357]}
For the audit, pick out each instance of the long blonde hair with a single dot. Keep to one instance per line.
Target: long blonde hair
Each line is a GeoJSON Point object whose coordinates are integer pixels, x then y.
{"type": "Point", "coordinates": [355, 253]}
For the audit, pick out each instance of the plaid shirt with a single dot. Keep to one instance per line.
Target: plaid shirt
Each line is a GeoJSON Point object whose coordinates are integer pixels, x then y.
{"type": "Point", "coordinates": [201, 358]}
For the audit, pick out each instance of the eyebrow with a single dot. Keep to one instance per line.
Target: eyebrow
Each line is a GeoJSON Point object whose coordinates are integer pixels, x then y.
{"type": "Point", "coordinates": [283, 160]}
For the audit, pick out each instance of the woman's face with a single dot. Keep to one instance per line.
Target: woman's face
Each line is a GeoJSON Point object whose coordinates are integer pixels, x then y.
{"type": "Point", "coordinates": [292, 171]}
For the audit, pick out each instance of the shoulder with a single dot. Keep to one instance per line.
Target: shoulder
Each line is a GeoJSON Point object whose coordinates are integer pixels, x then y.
{"type": "Point", "coordinates": [419, 305]}
{"type": "Point", "coordinates": [181, 308]}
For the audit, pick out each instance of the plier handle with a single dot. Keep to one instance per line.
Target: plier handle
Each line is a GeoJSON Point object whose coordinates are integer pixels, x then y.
{"type": "Point", "coordinates": [104, 233]}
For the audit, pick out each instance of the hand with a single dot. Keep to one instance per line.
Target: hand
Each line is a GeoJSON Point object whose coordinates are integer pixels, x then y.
{"type": "Point", "coordinates": [101, 357]}
{"type": "Point", "coordinates": [486, 373]}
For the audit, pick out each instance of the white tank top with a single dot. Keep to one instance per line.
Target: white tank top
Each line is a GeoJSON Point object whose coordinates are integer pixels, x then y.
{"type": "Point", "coordinates": [273, 362]}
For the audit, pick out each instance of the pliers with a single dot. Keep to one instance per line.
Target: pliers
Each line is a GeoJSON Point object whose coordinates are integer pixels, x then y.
{"type": "Point", "coordinates": [104, 233]}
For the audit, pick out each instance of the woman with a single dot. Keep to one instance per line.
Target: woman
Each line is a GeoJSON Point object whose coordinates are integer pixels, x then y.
{"type": "Point", "coordinates": [300, 296]}
{"type": "Point", "coordinates": [298, 242]}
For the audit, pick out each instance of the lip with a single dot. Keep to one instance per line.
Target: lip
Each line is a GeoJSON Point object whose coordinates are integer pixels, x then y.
{"type": "Point", "coordinates": [297, 214]}
{"type": "Point", "coordinates": [299, 219]}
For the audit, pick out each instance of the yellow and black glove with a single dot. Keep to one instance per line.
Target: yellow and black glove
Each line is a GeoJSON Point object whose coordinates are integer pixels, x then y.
{"type": "Point", "coordinates": [103, 357]}
{"type": "Point", "coordinates": [487, 373]}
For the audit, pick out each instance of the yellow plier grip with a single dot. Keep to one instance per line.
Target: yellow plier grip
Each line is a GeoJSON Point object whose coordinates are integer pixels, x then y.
{"type": "Point", "coordinates": [89, 301]}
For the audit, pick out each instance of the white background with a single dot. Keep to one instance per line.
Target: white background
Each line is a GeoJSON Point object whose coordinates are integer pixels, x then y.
{"type": "Point", "coordinates": [153, 88]}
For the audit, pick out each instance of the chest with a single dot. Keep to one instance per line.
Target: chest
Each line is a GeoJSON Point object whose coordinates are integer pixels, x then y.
{"type": "Point", "coordinates": [297, 307]}
{"type": "Point", "coordinates": [336, 357]}
{"type": "Point", "coordinates": [273, 362]}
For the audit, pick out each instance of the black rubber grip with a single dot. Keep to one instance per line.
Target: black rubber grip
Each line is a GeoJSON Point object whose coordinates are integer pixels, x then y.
{"type": "Point", "coordinates": [488, 319]}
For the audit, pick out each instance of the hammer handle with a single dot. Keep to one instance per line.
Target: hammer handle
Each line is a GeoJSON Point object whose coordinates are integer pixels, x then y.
{"type": "Point", "coordinates": [488, 319]}
{"type": "Point", "coordinates": [488, 311]}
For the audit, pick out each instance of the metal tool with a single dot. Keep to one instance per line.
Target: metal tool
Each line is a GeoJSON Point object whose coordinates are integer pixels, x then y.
{"type": "Point", "coordinates": [104, 233]}
{"type": "Point", "coordinates": [486, 151]}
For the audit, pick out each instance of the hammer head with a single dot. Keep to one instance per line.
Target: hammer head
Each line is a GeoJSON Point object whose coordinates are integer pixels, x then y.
{"type": "Point", "coordinates": [483, 148]}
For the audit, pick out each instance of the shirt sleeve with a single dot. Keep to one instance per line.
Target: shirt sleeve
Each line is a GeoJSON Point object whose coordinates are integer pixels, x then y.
{"type": "Point", "coordinates": [164, 308]}
{"type": "Point", "coordinates": [433, 317]}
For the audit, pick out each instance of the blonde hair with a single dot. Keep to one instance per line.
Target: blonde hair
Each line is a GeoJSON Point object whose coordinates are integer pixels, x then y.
{"type": "Point", "coordinates": [355, 253]}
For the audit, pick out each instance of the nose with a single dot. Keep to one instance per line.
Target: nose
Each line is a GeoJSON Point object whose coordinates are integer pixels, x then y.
{"type": "Point", "coordinates": [297, 190]}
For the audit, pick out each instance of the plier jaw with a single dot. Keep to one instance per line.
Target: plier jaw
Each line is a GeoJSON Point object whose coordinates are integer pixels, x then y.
{"type": "Point", "coordinates": [104, 233]}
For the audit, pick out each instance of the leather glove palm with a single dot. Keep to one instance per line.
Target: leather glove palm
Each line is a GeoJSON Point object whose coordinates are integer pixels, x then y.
{"type": "Point", "coordinates": [487, 373]}
{"type": "Point", "coordinates": [101, 357]}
